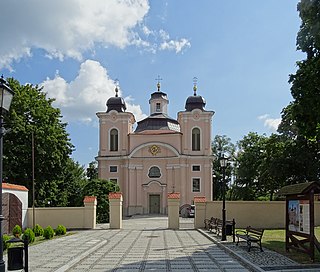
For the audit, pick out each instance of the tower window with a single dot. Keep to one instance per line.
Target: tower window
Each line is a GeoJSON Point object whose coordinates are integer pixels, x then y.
{"type": "Point", "coordinates": [196, 139]}
{"type": "Point", "coordinates": [113, 168]}
{"type": "Point", "coordinates": [114, 140]}
{"type": "Point", "coordinates": [195, 168]}
{"type": "Point", "coordinates": [158, 107]}
{"type": "Point", "coordinates": [196, 185]}
{"type": "Point", "coordinates": [154, 172]}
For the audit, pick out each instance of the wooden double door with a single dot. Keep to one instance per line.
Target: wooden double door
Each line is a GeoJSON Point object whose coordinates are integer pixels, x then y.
{"type": "Point", "coordinates": [154, 204]}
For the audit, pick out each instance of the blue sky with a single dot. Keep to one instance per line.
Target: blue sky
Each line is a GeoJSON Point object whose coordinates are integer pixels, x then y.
{"type": "Point", "coordinates": [242, 53]}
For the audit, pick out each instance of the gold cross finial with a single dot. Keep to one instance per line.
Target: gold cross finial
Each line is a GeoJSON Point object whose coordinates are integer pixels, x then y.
{"type": "Point", "coordinates": [158, 84]}
{"type": "Point", "coordinates": [195, 80]}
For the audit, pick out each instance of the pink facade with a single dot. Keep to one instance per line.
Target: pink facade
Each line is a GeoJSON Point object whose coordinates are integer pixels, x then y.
{"type": "Point", "coordinates": [159, 156]}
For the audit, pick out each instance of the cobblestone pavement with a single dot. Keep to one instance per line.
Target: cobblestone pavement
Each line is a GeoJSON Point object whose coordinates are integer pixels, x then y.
{"type": "Point", "coordinates": [267, 260]}
{"type": "Point", "coordinates": [144, 244]}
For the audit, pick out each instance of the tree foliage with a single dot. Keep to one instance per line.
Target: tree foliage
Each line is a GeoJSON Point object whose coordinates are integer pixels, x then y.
{"type": "Point", "coordinates": [92, 170]}
{"type": "Point", "coordinates": [32, 115]}
{"type": "Point", "coordinates": [221, 145]}
{"type": "Point", "coordinates": [301, 118]}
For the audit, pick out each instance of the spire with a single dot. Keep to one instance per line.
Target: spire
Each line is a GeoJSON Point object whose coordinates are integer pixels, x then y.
{"type": "Point", "coordinates": [195, 80]}
{"type": "Point", "coordinates": [158, 84]}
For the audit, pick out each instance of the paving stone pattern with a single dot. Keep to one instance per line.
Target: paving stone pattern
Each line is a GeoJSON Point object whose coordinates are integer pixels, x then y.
{"type": "Point", "coordinates": [142, 245]}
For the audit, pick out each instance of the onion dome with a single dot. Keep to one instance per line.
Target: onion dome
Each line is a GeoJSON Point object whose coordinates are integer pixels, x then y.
{"type": "Point", "coordinates": [159, 94]}
{"type": "Point", "coordinates": [195, 101]}
{"type": "Point", "coordinates": [116, 103]}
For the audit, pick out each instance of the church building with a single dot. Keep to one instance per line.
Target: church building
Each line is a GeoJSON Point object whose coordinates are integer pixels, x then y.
{"type": "Point", "coordinates": [157, 156]}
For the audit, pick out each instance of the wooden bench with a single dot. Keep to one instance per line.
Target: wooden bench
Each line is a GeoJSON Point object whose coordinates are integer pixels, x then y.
{"type": "Point", "coordinates": [215, 225]}
{"type": "Point", "coordinates": [250, 235]}
{"type": "Point", "coordinates": [207, 222]}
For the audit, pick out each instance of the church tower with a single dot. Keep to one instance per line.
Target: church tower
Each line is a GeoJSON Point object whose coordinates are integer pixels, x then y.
{"type": "Point", "coordinates": [114, 125]}
{"type": "Point", "coordinates": [158, 102]}
{"type": "Point", "coordinates": [195, 123]}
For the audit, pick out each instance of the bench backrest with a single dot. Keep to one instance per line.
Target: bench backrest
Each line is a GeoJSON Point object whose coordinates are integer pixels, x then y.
{"type": "Point", "coordinates": [254, 231]}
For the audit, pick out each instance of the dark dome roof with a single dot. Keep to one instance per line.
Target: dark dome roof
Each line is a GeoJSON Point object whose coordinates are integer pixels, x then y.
{"type": "Point", "coordinates": [158, 94]}
{"type": "Point", "coordinates": [195, 102]}
{"type": "Point", "coordinates": [116, 103]}
{"type": "Point", "coordinates": [158, 121]}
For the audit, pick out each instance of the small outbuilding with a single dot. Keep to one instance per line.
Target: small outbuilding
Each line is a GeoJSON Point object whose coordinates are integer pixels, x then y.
{"type": "Point", "coordinates": [14, 206]}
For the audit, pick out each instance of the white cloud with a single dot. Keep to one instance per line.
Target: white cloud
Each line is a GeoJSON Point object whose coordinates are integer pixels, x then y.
{"type": "Point", "coordinates": [271, 123]}
{"type": "Point", "coordinates": [80, 99]}
{"type": "Point", "coordinates": [176, 45]}
{"type": "Point", "coordinates": [67, 29]}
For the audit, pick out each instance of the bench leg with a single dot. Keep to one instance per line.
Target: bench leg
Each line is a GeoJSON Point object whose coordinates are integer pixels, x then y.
{"type": "Point", "coordinates": [249, 245]}
{"type": "Point", "coordinates": [260, 246]}
{"type": "Point", "coordinates": [237, 241]}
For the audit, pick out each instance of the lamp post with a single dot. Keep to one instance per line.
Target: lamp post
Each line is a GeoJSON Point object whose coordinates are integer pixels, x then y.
{"type": "Point", "coordinates": [33, 186]}
{"type": "Point", "coordinates": [6, 95]}
{"type": "Point", "coordinates": [223, 163]}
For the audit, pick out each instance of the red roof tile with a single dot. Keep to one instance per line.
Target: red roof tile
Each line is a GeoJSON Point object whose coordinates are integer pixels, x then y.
{"type": "Point", "coordinates": [16, 187]}
{"type": "Point", "coordinates": [173, 195]}
{"type": "Point", "coordinates": [199, 199]}
{"type": "Point", "coordinates": [89, 199]}
{"type": "Point", "coordinates": [116, 195]}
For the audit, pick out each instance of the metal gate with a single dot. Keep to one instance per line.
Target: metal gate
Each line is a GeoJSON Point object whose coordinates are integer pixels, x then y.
{"type": "Point", "coordinates": [12, 212]}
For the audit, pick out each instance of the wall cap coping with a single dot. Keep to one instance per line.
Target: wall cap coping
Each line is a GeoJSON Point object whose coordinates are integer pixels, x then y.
{"type": "Point", "coordinates": [15, 187]}
{"type": "Point", "coordinates": [90, 199]}
{"type": "Point", "coordinates": [115, 195]}
{"type": "Point", "coordinates": [200, 199]}
{"type": "Point", "coordinates": [173, 195]}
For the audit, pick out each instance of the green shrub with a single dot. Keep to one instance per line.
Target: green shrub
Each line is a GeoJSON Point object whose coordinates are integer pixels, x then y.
{"type": "Point", "coordinates": [38, 230]}
{"type": "Point", "coordinates": [61, 230]}
{"type": "Point", "coordinates": [17, 231]}
{"type": "Point", "coordinates": [29, 235]}
{"type": "Point", "coordinates": [5, 238]}
{"type": "Point", "coordinates": [48, 232]}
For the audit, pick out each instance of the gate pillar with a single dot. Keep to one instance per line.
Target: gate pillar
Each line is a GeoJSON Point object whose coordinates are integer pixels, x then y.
{"type": "Point", "coordinates": [200, 211]}
{"type": "Point", "coordinates": [115, 210]}
{"type": "Point", "coordinates": [173, 210]}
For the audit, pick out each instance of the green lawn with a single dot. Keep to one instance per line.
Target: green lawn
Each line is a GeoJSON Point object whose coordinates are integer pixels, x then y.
{"type": "Point", "coordinates": [275, 240]}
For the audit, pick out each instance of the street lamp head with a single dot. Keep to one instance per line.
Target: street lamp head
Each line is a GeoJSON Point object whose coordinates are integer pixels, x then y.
{"type": "Point", "coordinates": [6, 95]}
{"type": "Point", "coordinates": [223, 161]}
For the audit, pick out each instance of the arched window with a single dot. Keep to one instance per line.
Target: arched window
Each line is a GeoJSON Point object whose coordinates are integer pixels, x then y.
{"type": "Point", "coordinates": [196, 139]}
{"type": "Point", "coordinates": [114, 140]}
{"type": "Point", "coordinates": [154, 172]}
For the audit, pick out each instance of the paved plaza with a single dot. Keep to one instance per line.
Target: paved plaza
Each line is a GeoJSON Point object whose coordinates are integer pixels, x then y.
{"type": "Point", "coordinates": [144, 244]}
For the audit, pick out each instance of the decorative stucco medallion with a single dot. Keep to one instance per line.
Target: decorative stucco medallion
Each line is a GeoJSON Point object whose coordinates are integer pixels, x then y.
{"type": "Point", "coordinates": [154, 150]}
{"type": "Point", "coordinates": [113, 116]}
{"type": "Point", "coordinates": [196, 115]}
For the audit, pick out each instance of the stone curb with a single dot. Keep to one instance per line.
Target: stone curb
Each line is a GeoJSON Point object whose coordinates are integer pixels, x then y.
{"type": "Point", "coordinates": [241, 259]}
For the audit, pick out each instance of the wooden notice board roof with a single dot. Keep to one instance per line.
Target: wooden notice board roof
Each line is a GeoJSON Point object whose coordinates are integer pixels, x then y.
{"type": "Point", "coordinates": [300, 188]}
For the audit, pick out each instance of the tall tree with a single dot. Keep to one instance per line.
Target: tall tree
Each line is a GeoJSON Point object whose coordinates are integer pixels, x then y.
{"type": "Point", "coordinates": [32, 113]}
{"type": "Point", "coordinates": [250, 156]}
{"type": "Point", "coordinates": [301, 118]}
{"type": "Point", "coordinates": [221, 144]}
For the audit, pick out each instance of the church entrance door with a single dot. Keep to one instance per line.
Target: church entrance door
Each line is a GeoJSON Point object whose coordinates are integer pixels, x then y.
{"type": "Point", "coordinates": [154, 204]}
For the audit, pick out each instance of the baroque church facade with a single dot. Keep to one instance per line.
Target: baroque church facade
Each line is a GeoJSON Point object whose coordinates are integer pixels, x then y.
{"type": "Point", "coordinates": [161, 155]}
